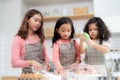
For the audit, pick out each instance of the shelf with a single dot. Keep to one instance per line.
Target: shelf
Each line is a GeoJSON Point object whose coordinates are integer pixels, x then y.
{"type": "Point", "coordinates": [54, 18]}
{"type": "Point", "coordinates": [50, 2]}
{"type": "Point", "coordinates": [49, 36]}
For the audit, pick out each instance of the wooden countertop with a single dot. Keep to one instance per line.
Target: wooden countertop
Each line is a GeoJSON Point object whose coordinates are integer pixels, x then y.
{"type": "Point", "coordinates": [9, 77]}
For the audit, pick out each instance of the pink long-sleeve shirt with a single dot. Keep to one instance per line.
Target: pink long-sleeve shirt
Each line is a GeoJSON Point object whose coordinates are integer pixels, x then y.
{"type": "Point", "coordinates": [18, 51]}
{"type": "Point", "coordinates": [56, 54]}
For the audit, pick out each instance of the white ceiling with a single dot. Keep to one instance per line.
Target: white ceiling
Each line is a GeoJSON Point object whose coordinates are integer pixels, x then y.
{"type": "Point", "coordinates": [50, 2]}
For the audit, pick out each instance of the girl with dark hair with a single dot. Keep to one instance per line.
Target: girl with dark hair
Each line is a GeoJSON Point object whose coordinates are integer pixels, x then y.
{"type": "Point", "coordinates": [29, 46]}
{"type": "Point", "coordinates": [98, 43]}
{"type": "Point", "coordinates": [65, 50]}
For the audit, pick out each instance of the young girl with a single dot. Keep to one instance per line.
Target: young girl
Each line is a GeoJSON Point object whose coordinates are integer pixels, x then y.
{"type": "Point", "coordinates": [98, 45]}
{"type": "Point", "coordinates": [65, 50]}
{"type": "Point", "coordinates": [29, 47]}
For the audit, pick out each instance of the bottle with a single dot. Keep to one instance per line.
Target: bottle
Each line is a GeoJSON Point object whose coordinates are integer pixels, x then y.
{"type": "Point", "coordinates": [111, 51]}
{"type": "Point", "coordinates": [119, 64]}
{"type": "Point", "coordinates": [116, 51]}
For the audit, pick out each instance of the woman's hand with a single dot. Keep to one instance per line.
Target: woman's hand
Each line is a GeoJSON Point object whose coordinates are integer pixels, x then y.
{"type": "Point", "coordinates": [81, 38]}
{"type": "Point", "coordinates": [36, 65]}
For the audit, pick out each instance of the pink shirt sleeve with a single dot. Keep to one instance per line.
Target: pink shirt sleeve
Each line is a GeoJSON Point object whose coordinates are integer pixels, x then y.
{"type": "Point", "coordinates": [46, 56]}
{"type": "Point", "coordinates": [17, 60]}
{"type": "Point", "coordinates": [56, 55]}
{"type": "Point", "coordinates": [18, 52]}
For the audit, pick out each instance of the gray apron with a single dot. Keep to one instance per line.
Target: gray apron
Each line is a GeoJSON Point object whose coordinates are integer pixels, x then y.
{"type": "Point", "coordinates": [94, 57]}
{"type": "Point", "coordinates": [33, 52]}
{"type": "Point", "coordinates": [67, 54]}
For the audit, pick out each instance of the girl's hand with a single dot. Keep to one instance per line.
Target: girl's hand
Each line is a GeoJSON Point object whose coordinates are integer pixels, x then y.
{"type": "Point", "coordinates": [81, 38]}
{"type": "Point", "coordinates": [89, 42]}
{"type": "Point", "coordinates": [86, 36]}
{"type": "Point", "coordinates": [87, 39]}
{"type": "Point", "coordinates": [48, 67]}
{"type": "Point", "coordinates": [74, 66]}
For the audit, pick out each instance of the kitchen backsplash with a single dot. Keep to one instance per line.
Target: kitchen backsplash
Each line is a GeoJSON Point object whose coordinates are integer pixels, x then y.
{"type": "Point", "coordinates": [115, 41]}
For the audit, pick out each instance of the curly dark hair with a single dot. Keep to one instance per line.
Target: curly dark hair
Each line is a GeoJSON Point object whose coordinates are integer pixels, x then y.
{"type": "Point", "coordinates": [62, 20]}
{"type": "Point", "coordinates": [103, 32]}
{"type": "Point", "coordinates": [23, 31]}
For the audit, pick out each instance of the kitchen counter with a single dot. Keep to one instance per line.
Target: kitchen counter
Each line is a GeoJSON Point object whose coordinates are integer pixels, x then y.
{"type": "Point", "coordinates": [69, 75]}
{"type": "Point", "coordinates": [9, 77]}
{"type": "Point", "coordinates": [82, 77]}
{"type": "Point", "coordinates": [53, 77]}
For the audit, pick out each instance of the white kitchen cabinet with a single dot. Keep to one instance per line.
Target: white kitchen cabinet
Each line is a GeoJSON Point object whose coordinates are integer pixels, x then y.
{"type": "Point", "coordinates": [106, 8]}
{"type": "Point", "coordinates": [113, 23]}
{"type": "Point", "coordinates": [110, 12]}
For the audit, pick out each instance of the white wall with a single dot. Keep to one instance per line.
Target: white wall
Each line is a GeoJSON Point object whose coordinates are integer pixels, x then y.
{"type": "Point", "coordinates": [12, 16]}
{"type": "Point", "coordinates": [115, 41]}
{"type": "Point", "coordinates": [1, 16]}
{"type": "Point", "coordinates": [106, 8]}
{"type": "Point", "coordinates": [10, 22]}
{"type": "Point", "coordinates": [23, 9]}
{"type": "Point", "coordinates": [1, 26]}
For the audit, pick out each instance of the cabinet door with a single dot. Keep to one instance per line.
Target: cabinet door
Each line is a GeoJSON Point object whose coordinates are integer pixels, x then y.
{"type": "Point", "coordinates": [113, 23]}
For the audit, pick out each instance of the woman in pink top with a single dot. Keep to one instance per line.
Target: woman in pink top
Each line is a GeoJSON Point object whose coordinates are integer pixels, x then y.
{"type": "Point", "coordinates": [65, 50]}
{"type": "Point", "coordinates": [28, 48]}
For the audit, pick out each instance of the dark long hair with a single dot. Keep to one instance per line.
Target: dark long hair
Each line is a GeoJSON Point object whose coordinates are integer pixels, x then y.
{"type": "Point", "coordinates": [103, 32]}
{"type": "Point", "coordinates": [62, 20]}
{"type": "Point", "coordinates": [23, 31]}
